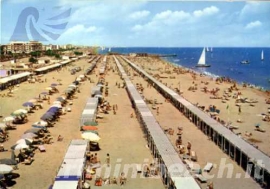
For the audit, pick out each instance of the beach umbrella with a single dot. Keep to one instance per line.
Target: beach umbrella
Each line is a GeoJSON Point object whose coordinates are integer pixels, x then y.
{"type": "Point", "coordinates": [90, 123]}
{"type": "Point", "coordinates": [26, 141]}
{"type": "Point", "coordinates": [8, 119]}
{"type": "Point", "coordinates": [78, 79]}
{"type": "Point", "coordinates": [100, 85]}
{"type": "Point", "coordinates": [47, 116]}
{"type": "Point", "coordinates": [54, 84]}
{"type": "Point", "coordinates": [19, 146]}
{"type": "Point", "coordinates": [40, 124]}
{"type": "Point", "coordinates": [82, 76]}
{"type": "Point", "coordinates": [72, 85]}
{"type": "Point", "coordinates": [28, 135]}
{"type": "Point", "coordinates": [89, 128]}
{"type": "Point", "coordinates": [90, 136]}
{"type": "Point", "coordinates": [98, 96]}
{"type": "Point", "coordinates": [57, 105]}
{"type": "Point", "coordinates": [48, 88]}
{"type": "Point", "coordinates": [2, 126]}
{"type": "Point", "coordinates": [91, 131]}
{"type": "Point", "coordinates": [53, 110]}
{"type": "Point", "coordinates": [32, 100]}
{"type": "Point", "coordinates": [57, 102]}
{"type": "Point", "coordinates": [5, 169]}
{"type": "Point", "coordinates": [28, 104]}
{"type": "Point", "coordinates": [33, 130]}
{"type": "Point", "coordinates": [19, 112]}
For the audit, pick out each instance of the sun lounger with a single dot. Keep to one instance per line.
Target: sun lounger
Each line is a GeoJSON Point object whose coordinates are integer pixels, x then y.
{"type": "Point", "coordinates": [28, 162]}
{"type": "Point", "coordinates": [193, 156]}
{"type": "Point", "coordinates": [201, 178]}
{"type": "Point", "coordinates": [208, 167]}
{"type": "Point", "coordinates": [138, 168]}
{"type": "Point", "coordinates": [41, 148]}
{"type": "Point", "coordinates": [260, 130]}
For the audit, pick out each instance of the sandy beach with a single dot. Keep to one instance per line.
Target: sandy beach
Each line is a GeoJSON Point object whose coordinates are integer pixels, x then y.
{"type": "Point", "coordinates": [169, 117]}
{"type": "Point", "coordinates": [42, 171]}
{"type": "Point", "coordinates": [245, 121]}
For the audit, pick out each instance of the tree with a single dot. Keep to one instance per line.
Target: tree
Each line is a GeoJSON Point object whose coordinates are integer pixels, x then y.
{"type": "Point", "coordinates": [32, 60]}
{"type": "Point", "coordinates": [57, 56]}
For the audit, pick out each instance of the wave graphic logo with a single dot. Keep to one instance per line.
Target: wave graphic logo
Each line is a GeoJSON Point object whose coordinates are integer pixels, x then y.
{"type": "Point", "coordinates": [29, 28]}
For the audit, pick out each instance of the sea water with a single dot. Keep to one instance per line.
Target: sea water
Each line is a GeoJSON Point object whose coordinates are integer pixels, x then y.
{"type": "Point", "coordinates": [224, 62]}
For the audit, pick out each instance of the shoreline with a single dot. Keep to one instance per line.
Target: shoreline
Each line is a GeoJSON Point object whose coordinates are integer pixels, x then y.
{"type": "Point", "coordinates": [213, 76]}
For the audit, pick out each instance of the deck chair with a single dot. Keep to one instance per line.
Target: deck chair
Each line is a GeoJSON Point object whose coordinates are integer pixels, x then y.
{"type": "Point", "coordinates": [41, 148]}
{"type": "Point", "coordinates": [208, 167]}
{"type": "Point", "coordinates": [201, 178]}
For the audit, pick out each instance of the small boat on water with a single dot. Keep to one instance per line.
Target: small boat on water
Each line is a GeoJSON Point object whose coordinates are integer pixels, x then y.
{"type": "Point", "coordinates": [262, 56]}
{"type": "Point", "coordinates": [245, 62]}
{"type": "Point", "coordinates": [201, 62]}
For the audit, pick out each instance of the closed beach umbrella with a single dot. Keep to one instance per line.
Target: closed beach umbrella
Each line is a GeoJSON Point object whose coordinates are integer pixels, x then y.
{"type": "Point", "coordinates": [8, 119]}
{"type": "Point", "coordinates": [26, 141]}
{"type": "Point", "coordinates": [90, 136]}
{"type": "Point", "coordinates": [34, 130]}
{"type": "Point", "coordinates": [28, 135]}
{"type": "Point", "coordinates": [28, 104]}
{"type": "Point", "coordinates": [19, 146]}
{"type": "Point", "coordinates": [5, 169]}
{"type": "Point", "coordinates": [89, 128]}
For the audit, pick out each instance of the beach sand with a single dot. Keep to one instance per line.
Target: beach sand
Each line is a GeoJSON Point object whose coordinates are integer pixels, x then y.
{"type": "Point", "coordinates": [206, 150]}
{"type": "Point", "coordinates": [229, 112]}
{"type": "Point", "coordinates": [121, 136]}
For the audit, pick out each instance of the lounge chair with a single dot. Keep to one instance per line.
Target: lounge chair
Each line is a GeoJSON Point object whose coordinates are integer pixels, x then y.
{"type": "Point", "coordinates": [259, 129]}
{"type": "Point", "coordinates": [193, 156]}
{"type": "Point", "coordinates": [208, 167]}
{"type": "Point", "coordinates": [201, 178]}
{"type": "Point", "coordinates": [41, 148]}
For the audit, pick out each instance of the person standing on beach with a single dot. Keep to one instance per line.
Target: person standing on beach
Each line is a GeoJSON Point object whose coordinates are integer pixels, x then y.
{"type": "Point", "coordinates": [239, 109]}
{"type": "Point", "coordinates": [189, 147]}
{"type": "Point", "coordinates": [108, 160]}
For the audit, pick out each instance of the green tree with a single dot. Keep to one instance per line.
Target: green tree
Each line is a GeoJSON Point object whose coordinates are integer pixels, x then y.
{"type": "Point", "coordinates": [32, 60]}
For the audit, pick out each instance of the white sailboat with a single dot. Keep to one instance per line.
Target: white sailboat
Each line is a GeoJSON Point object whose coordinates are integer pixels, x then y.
{"type": "Point", "coordinates": [109, 49]}
{"type": "Point", "coordinates": [201, 62]}
{"type": "Point", "coordinates": [207, 49]}
{"type": "Point", "coordinates": [262, 56]}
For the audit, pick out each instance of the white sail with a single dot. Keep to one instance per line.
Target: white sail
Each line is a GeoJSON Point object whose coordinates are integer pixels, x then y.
{"type": "Point", "coordinates": [207, 49]}
{"type": "Point", "coordinates": [211, 49]}
{"type": "Point", "coordinates": [202, 58]}
{"type": "Point", "coordinates": [262, 57]}
{"type": "Point", "coordinates": [109, 49]}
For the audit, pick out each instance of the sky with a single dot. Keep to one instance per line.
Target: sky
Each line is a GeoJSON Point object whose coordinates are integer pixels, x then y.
{"type": "Point", "coordinates": [137, 23]}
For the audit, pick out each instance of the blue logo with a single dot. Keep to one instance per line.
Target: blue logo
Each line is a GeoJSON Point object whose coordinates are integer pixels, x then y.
{"type": "Point", "coordinates": [27, 26]}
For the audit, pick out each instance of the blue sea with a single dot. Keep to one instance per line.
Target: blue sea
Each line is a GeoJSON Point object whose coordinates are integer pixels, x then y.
{"type": "Point", "coordinates": [224, 62]}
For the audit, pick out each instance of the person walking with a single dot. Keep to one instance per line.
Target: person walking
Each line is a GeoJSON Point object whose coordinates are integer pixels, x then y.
{"type": "Point", "coordinates": [108, 160]}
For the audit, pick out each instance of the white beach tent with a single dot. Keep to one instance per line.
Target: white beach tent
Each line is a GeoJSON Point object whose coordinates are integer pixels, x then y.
{"type": "Point", "coordinates": [65, 185]}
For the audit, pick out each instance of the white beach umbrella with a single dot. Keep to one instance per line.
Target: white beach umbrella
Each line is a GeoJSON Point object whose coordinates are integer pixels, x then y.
{"type": "Point", "coordinates": [8, 119]}
{"type": "Point", "coordinates": [57, 105]}
{"type": "Point", "coordinates": [2, 126]}
{"type": "Point", "coordinates": [25, 141]}
{"type": "Point", "coordinates": [57, 102]}
{"type": "Point", "coordinates": [19, 146]}
{"type": "Point", "coordinates": [5, 169]}
{"type": "Point", "coordinates": [90, 136]}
